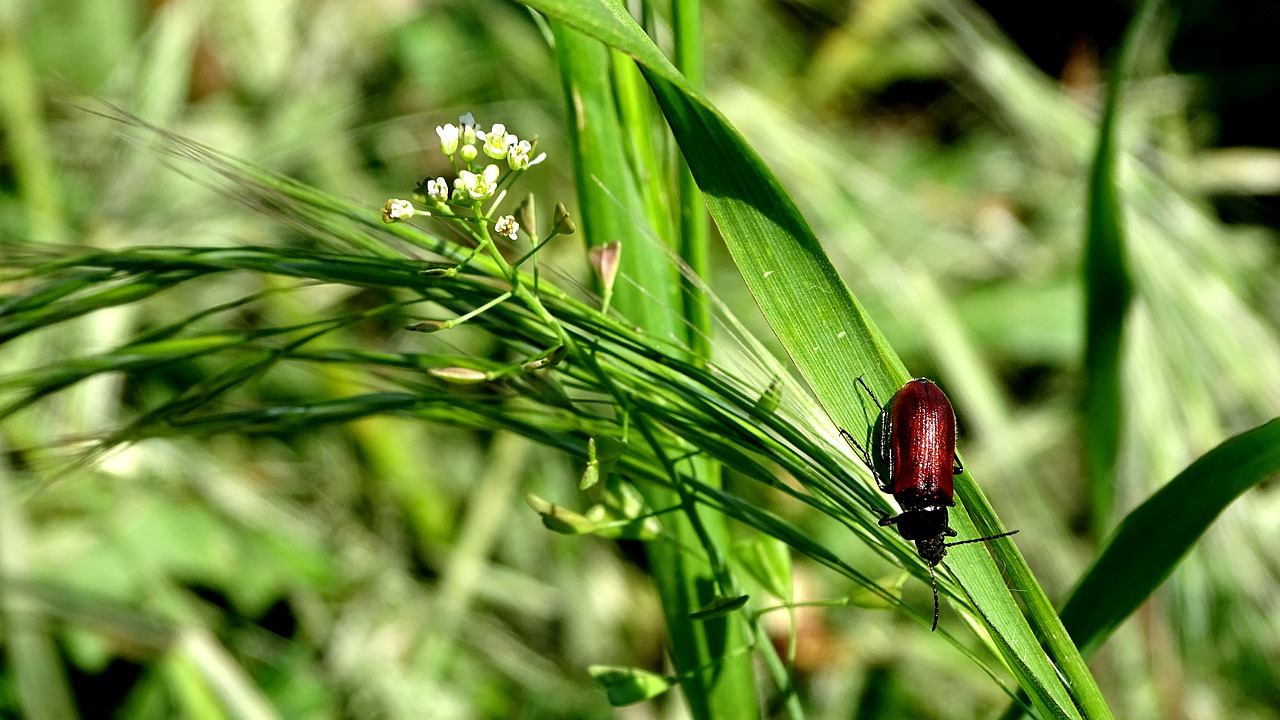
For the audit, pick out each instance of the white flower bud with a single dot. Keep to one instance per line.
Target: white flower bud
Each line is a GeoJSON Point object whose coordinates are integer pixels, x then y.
{"type": "Point", "coordinates": [448, 138]}
{"type": "Point", "coordinates": [438, 190]}
{"type": "Point", "coordinates": [396, 210]}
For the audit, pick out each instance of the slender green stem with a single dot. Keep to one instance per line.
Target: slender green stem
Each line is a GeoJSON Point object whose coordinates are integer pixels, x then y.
{"type": "Point", "coordinates": [695, 245]}
{"type": "Point", "coordinates": [463, 318]}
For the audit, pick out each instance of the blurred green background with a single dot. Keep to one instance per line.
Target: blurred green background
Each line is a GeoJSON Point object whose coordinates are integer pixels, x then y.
{"type": "Point", "coordinates": [390, 569]}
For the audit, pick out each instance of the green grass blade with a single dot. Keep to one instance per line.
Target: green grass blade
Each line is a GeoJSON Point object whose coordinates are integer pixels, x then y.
{"type": "Point", "coordinates": [229, 681]}
{"type": "Point", "coordinates": [47, 305]}
{"type": "Point", "coordinates": [135, 356]}
{"type": "Point", "coordinates": [1152, 539]}
{"type": "Point", "coordinates": [695, 230]}
{"type": "Point", "coordinates": [1108, 293]}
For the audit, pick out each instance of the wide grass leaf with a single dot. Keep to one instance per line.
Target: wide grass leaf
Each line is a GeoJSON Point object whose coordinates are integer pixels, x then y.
{"type": "Point", "coordinates": [1154, 537]}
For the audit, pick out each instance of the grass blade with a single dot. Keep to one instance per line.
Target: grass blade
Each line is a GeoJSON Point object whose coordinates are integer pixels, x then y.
{"type": "Point", "coordinates": [1108, 293]}
{"type": "Point", "coordinates": [1152, 539]}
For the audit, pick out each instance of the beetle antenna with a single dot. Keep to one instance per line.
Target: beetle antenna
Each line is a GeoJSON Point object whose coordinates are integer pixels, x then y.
{"type": "Point", "coordinates": [981, 539]}
{"type": "Point", "coordinates": [933, 580]}
{"type": "Point", "coordinates": [870, 392]}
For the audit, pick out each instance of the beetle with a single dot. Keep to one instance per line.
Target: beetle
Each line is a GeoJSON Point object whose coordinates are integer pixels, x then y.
{"type": "Point", "coordinates": [913, 457]}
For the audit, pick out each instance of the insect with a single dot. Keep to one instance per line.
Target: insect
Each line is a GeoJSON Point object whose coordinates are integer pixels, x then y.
{"type": "Point", "coordinates": [913, 457]}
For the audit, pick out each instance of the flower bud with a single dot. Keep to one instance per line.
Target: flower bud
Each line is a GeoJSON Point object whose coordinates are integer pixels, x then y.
{"type": "Point", "coordinates": [563, 223]}
{"type": "Point", "coordinates": [396, 210]}
{"type": "Point", "coordinates": [448, 138]}
{"type": "Point", "coordinates": [438, 190]}
{"type": "Point", "coordinates": [458, 375]}
{"type": "Point", "coordinates": [427, 326]}
{"type": "Point", "coordinates": [604, 258]}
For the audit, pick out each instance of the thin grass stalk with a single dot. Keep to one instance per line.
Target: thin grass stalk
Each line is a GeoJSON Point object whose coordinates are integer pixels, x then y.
{"type": "Point", "coordinates": [695, 243]}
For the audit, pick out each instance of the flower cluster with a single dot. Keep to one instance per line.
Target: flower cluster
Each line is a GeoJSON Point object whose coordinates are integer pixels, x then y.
{"type": "Point", "coordinates": [476, 182]}
{"type": "Point", "coordinates": [497, 143]}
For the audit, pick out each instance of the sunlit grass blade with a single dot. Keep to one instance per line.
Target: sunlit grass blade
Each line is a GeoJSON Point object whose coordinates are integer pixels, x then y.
{"type": "Point", "coordinates": [695, 231]}
{"type": "Point", "coordinates": [222, 674]}
{"type": "Point", "coordinates": [31, 165]}
{"type": "Point", "coordinates": [1108, 291]}
{"type": "Point", "coordinates": [1152, 539]}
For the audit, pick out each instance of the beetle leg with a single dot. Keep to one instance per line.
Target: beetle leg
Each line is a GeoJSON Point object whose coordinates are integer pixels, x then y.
{"type": "Point", "coordinates": [886, 519]}
{"type": "Point", "coordinates": [866, 458]}
{"type": "Point", "coordinates": [957, 467]}
{"type": "Point", "coordinates": [857, 447]}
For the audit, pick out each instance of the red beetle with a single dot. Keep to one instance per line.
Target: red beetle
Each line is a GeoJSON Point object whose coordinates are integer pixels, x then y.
{"type": "Point", "coordinates": [913, 457]}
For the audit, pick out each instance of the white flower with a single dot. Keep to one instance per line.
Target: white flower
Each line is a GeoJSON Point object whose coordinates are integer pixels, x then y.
{"type": "Point", "coordinates": [448, 138]}
{"type": "Point", "coordinates": [506, 225]}
{"type": "Point", "coordinates": [468, 153]}
{"type": "Point", "coordinates": [478, 187]}
{"type": "Point", "coordinates": [497, 141]}
{"type": "Point", "coordinates": [518, 158]}
{"type": "Point", "coordinates": [468, 129]}
{"type": "Point", "coordinates": [396, 210]}
{"type": "Point", "coordinates": [438, 190]}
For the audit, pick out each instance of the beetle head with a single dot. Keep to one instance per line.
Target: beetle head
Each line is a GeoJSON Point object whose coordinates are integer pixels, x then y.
{"type": "Point", "coordinates": [932, 549]}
